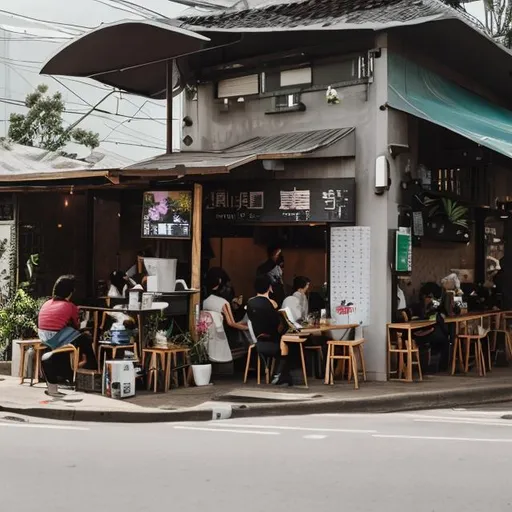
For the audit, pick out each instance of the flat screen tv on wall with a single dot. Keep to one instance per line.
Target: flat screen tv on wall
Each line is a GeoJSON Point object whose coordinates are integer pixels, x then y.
{"type": "Point", "coordinates": [167, 214]}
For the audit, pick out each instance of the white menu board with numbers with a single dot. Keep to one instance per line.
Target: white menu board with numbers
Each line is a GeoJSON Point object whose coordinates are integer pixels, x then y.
{"type": "Point", "coordinates": [350, 280]}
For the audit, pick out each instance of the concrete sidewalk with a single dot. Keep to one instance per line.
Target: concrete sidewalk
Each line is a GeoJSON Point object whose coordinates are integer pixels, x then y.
{"type": "Point", "coordinates": [233, 398]}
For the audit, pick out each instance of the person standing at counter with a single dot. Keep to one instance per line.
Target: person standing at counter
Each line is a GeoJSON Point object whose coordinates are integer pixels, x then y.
{"type": "Point", "coordinates": [273, 268]}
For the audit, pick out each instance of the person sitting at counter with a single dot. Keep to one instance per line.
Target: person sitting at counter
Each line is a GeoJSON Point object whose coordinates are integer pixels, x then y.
{"type": "Point", "coordinates": [297, 303]}
{"type": "Point", "coordinates": [214, 302]}
{"type": "Point", "coordinates": [267, 326]}
{"type": "Point", "coordinates": [137, 273]}
{"type": "Point", "coordinates": [435, 339]}
{"type": "Point", "coordinates": [118, 285]}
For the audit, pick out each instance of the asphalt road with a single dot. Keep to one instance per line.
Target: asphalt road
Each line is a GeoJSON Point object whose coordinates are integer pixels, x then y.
{"type": "Point", "coordinates": [428, 461]}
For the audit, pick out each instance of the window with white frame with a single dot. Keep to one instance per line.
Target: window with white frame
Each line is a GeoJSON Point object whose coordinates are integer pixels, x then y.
{"type": "Point", "coordinates": [238, 87]}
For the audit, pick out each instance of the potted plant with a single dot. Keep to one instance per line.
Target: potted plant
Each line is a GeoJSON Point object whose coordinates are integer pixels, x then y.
{"type": "Point", "coordinates": [18, 321]}
{"type": "Point", "coordinates": [201, 366]}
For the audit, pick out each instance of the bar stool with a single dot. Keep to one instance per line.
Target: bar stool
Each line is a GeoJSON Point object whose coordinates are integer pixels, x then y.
{"type": "Point", "coordinates": [157, 356]}
{"type": "Point", "coordinates": [471, 341]}
{"type": "Point", "coordinates": [24, 346]}
{"type": "Point", "coordinates": [411, 354]}
{"type": "Point", "coordinates": [268, 363]}
{"type": "Point", "coordinates": [348, 355]}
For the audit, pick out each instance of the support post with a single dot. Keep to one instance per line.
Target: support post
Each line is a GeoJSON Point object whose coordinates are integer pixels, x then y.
{"type": "Point", "coordinates": [169, 134]}
{"type": "Point", "coordinates": [195, 260]}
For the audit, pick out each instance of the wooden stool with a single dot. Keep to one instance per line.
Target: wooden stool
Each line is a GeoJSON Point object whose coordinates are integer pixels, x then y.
{"type": "Point", "coordinates": [470, 340]}
{"type": "Point", "coordinates": [348, 355]}
{"type": "Point", "coordinates": [157, 355]}
{"type": "Point", "coordinates": [185, 368]}
{"type": "Point", "coordinates": [508, 343]}
{"type": "Point", "coordinates": [412, 355]}
{"type": "Point", "coordinates": [24, 346]}
{"type": "Point", "coordinates": [294, 338]}
{"type": "Point", "coordinates": [105, 347]}
{"type": "Point", "coordinates": [318, 351]}
{"type": "Point", "coordinates": [73, 354]}
{"type": "Point", "coordinates": [268, 370]}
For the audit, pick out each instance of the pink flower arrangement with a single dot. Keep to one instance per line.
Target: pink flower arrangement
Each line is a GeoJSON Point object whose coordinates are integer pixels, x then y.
{"type": "Point", "coordinates": [158, 211]}
{"type": "Point", "coordinates": [203, 324]}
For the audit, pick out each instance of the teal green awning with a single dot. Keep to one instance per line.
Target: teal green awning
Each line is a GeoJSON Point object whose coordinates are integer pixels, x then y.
{"type": "Point", "coordinates": [427, 95]}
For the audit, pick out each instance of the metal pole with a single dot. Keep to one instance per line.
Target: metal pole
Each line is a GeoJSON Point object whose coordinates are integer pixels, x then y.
{"type": "Point", "coordinates": [169, 85]}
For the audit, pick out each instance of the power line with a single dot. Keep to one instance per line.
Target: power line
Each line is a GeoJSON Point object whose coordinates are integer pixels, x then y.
{"type": "Point", "coordinates": [117, 142]}
{"type": "Point", "coordinates": [79, 28]}
{"type": "Point", "coordinates": [114, 7]}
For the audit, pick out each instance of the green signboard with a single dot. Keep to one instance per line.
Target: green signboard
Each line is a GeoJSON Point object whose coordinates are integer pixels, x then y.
{"type": "Point", "coordinates": [403, 252]}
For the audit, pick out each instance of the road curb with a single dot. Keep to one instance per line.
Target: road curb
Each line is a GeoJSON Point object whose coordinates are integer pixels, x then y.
{"type": "Point", "coordinates": [379, 404]}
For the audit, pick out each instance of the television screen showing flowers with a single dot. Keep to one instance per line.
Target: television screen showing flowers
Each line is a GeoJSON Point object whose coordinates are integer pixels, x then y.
{"type": "Point", "coordinates": [167, 214]}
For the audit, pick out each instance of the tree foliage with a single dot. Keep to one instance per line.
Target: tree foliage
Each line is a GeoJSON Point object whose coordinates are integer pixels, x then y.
{"type": "Point", "coordinates": [498, 20]}
{"type": "Point", "coordinates": [42, 126]}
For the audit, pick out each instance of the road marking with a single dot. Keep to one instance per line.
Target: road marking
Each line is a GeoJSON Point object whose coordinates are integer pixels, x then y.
{"type": "Point", "coordinates": [39, 425]}
{"type": "Point", "coordinates": [314, 436]}
{"type": "Point", "coordinates": [302, 429]}
{"type": "Point", "coordinates": [233, 431]}
{"type": "Point", "coordinates": [467, 421]}
{"type": "Point", "coordinates": [433, 438]}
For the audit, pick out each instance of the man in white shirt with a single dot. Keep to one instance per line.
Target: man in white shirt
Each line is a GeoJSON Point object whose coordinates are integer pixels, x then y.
{"type": "Point", "coordinates": [297, 303]}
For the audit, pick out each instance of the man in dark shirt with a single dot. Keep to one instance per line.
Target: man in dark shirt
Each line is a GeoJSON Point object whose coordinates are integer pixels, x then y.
{"type": "Point", "coordinates": [273, 268]}
{"type": "Point", "coordinates": [266, 324]}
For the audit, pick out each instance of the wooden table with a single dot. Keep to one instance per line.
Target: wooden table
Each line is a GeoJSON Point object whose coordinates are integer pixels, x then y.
{"type": "Point", "coordinates": [96, 310]}
{"type": "Point", "coordinates": [319, 329]}
{"type": "Point", "coordinates": [409, 327]}
{"type": "Point", "coordinates": [301, 336]}
{"type": "Point", "coordinates": [459, 321]}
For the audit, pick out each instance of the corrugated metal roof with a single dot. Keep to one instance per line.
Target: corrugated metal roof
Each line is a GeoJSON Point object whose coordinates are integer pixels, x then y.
{"type": "Point", "coordinates": [329, 14]}
{"type": "Point", "coordinates": [288, 145]}
{"type": "Point", "coordinates": [17, 160]}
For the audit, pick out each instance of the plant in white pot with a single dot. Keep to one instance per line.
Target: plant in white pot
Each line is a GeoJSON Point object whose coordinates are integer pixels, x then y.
{"type": "Point", "coordinates": [201, 366]}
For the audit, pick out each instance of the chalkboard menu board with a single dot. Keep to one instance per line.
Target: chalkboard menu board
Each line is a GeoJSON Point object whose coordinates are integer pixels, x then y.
{"type": "Point", "coordinates": [294, 201]}
{"type": "Point", "coordinates": [6, 207]}
{"type": "Point", "coordinates": [166, 214]}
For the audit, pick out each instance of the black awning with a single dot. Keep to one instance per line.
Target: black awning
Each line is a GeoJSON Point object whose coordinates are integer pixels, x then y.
{"type": "Point", "coordinates": [131, 55]}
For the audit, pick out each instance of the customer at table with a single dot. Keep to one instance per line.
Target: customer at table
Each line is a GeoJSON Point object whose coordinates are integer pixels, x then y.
{"type": "Point", "coordinates": [273, 268]}
{"type": "Point", "coordinates": [58, 326]}
{"type": "Point", "coordinates": [297, 302]}
{"type": "Point", "coordinates": [435, 339]}
{"type": "Point", "coordinates": [118, 285]}
{"type": "Point", "coordinates": [267, 326]}
{"type": "Point", "coordinates": [214, 302]}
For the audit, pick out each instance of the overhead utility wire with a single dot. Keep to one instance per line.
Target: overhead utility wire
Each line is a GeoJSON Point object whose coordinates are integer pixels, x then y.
{"type": "Point", "coordinates": [72, 26]}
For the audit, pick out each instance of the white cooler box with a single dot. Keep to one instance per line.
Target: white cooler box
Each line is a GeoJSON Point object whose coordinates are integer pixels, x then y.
{"type": "Point", "coordinates": [118, 379]}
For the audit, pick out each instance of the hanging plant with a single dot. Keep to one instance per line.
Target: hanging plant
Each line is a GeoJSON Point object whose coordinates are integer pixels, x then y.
{"type": "Point", "coordinates": [332, 96]}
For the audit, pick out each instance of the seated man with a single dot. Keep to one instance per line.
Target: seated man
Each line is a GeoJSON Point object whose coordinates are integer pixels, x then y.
{"type": "Point", "coordinates": [266, 324]}
{"type": "Point", "coordinates": [297, 303]}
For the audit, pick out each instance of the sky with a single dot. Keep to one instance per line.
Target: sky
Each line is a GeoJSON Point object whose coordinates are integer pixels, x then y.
{"type": "Point", "coordinates": [135, 127]}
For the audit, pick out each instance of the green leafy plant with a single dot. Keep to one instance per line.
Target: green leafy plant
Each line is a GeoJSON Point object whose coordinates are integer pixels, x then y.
{"type": "Point", "coordinates": [43, 126]}
{"type": "Point", "coordinates": [454, 211]}
{"type": "Point", "coordinates": [18, 319]}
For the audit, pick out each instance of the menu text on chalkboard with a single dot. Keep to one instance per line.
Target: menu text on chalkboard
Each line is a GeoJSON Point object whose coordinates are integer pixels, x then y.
{"type": "Point", "coordinates": [294, 201]}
